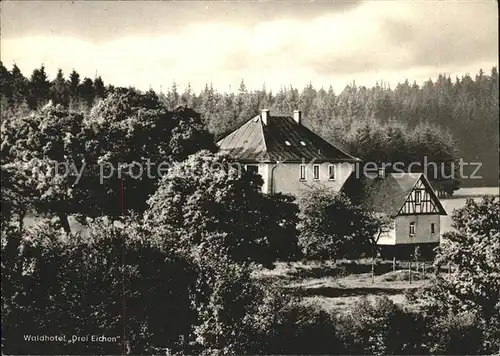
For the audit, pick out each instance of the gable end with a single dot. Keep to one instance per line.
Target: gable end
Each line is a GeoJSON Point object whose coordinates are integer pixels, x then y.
{"type": "Point", "coordinates": [422, 200]}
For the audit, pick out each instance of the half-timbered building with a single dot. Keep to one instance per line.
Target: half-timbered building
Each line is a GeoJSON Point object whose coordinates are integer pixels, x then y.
{"type": "Point", "coordinates": [410, 202]}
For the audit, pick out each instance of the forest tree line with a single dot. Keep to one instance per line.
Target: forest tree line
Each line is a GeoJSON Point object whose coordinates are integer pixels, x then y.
{"type": "Point", "coordinates": [443, 119]}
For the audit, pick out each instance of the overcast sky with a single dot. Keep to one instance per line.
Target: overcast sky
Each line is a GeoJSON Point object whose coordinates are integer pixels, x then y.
{"type": "Point", "coordinates": [277, 43]}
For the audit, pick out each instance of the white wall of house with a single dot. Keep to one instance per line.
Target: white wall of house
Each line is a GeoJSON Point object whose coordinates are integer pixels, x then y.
{"type": "Point", "coordinates": [400, 231]}
{"type": "Point", "coordinates": [423, 232]}
{"type": "Point", "coordinates": [286, 176]}
{"type": "Point", "coordinates": [264, 172]}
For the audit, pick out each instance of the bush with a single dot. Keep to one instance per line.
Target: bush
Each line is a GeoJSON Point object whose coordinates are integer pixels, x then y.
{"type": "Point", "coordinates": [380, 327]}
{"type": "Point", "coordinates": [469, 299]}
{"type": "Point", "coordinates": [456, 334]}
{"type": "Point", "coordinates": [289, 328]}
{"type": "Point", "coordinates": [332, 227]}
{"type": "Point", "coordinates": [225, 298]}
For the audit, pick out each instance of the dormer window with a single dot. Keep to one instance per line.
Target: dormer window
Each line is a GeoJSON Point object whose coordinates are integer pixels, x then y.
{"type": "Point", "coordinates": [302, 143]}
{"type": "Point", "coordinates": [288, 143]}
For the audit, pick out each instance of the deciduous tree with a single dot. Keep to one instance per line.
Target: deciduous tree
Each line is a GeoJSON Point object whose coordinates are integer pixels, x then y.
{"type": "Point", "coordinates": [469, 298]}
{"type": "Point", "coordinates": [211, 193]}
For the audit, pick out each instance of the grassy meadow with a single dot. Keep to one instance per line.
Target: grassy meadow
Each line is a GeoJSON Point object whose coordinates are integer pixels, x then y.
{"type": "Point", "coordinates": [334, 287]}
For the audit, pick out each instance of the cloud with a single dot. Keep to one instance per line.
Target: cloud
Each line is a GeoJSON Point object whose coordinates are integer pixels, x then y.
{"type": "Point", "coordinates": [102, 21]}
{"type": "Point", "coordinates": [365, 42]}
{"type": "Point", "coordinates": [447, 34]}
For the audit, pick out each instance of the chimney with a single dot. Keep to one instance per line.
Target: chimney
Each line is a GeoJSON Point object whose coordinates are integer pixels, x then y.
{"type": "Point", "coordinates": [297, 116]}
{"type": "Point", "coordinates": [265, 116]}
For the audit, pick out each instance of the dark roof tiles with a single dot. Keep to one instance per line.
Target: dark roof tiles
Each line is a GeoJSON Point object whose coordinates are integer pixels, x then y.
{"type": "Point", "coordinates": [384, 194]}
{"type": "Point", "coordinates": [282, 139]}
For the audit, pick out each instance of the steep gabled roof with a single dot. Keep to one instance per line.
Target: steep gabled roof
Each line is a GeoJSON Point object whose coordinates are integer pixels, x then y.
{"type": "Point", "coordinates": [387, 194]}
{"type": "Point", "coordinates": [281, 139]}
{"type": "Point", "coordinates": [246, 143]}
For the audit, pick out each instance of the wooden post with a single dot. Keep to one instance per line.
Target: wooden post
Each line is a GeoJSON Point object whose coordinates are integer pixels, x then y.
{"type": "Point", "coordinates": [373, 263]}
{"type": "Point", "coordinates": [409, 270]}
{"type": "Point", "coordinates": [373, 269]}
{"type": "Point", "coordinates": [423, 268]}
{"type": "Point", "coordinates": [394, 264]}
{"type": "Point", "coordinates": [449, 269]}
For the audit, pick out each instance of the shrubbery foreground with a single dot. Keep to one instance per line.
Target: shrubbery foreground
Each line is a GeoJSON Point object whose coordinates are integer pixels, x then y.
{"type": "Point", "coordinates": [164, 289]}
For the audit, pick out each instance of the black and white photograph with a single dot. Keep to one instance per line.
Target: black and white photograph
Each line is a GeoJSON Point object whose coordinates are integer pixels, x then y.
{"type": "Point", "coordinates": [268, 177]}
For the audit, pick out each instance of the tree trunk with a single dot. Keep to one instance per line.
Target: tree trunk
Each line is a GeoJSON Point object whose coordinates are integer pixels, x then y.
{"type": "Point", "coordinates": [22, 214]}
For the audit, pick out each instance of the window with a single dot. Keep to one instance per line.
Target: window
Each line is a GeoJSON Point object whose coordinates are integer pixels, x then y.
{"type": "Point", "coordinates": [302, 172]}
{"type": "Point", "coordinates": [412, 228]}
{"type": "Point", "coordinates": [417, 196]}
{"type": "Point", "coordinates": [252, 168]}
{"type": "Point", "coordinates": [331, 172]}
{"type": "Point", "coordinates": [316, 171]}
{"type": "Point", "coordinates": [433, 228]}
{"type": "Point", "coordinates": [288, 143]}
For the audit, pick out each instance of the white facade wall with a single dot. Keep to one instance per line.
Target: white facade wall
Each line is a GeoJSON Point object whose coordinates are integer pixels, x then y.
{"type": "Point", "coordinates": [286, 176]}
{"type": "Point", "coordinates": [400, 232]}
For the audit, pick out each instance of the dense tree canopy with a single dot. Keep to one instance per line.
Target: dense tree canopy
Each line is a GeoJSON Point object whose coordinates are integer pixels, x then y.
{"type": "Point", "coordinates": [425, 148]}
{"type": "Point", "coordinates": [332, 227]}
{"type": "Point", "coordinates": [211, 193]}
{"type": "Point", "coordinates": [83, 163]}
